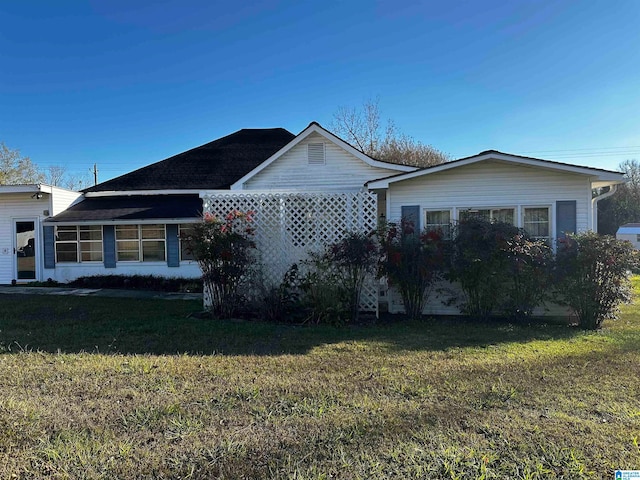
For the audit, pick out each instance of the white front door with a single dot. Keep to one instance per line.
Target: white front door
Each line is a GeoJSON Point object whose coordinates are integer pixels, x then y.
{"type": "Point", "coordinates": [26, 249]}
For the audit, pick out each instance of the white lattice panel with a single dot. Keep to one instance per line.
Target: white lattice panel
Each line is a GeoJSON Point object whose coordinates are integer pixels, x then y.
{"type": "Point", "coordinates": [290, 225]}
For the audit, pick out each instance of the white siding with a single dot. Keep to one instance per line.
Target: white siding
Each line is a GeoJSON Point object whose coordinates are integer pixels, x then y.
{"type": "Point", "coordinates": [493, 184]}
{"type": "Point", "coordinates": [291, 171]}
{"type": "Point", "coordinates": [61, 199]}
{"type": "Point", "coordinates": [19, 206]}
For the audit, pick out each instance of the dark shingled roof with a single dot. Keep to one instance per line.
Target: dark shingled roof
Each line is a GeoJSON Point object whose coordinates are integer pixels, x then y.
{"type": "Point", "coordinates": [215, 165]}
{"type": "Point", "coordinates": [137, 207]}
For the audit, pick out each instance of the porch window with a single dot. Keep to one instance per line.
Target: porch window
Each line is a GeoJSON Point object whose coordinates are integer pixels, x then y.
{"type": "Point", "coordinates": [135, 243]}
{"type": "Point", "coordinates": [438, 221]}
{"type": "Point", "coordinates": [504, 215]}
{"type": "Point", "coordinates": [536, 222]}
{"type": "Point", "coordinates": [81, 243]}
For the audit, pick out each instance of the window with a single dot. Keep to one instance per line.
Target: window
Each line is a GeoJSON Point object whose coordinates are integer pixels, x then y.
{"type": "Point", "coordinates": [637, 238]}
{"type": "Point", "coordinates": [185, 253]}
{"type": "Point", "coordinates": [438, 221]}
{"type": "Point", "coordinates": [78, 243]}
{"type": "Point", "coordinates": [536, 222]}
{"type": "Point", "coordinates": [505, 215]}
{"type": "Point", "coordinates": [135, 243]}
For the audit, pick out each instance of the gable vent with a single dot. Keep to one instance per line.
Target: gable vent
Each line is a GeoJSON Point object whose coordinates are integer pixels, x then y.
{"type": "Point", "coordinates": [315, 153]}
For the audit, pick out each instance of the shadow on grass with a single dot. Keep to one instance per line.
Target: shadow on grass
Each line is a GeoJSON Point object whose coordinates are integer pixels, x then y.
{"type": "Point", "coordinates": [128, 326]}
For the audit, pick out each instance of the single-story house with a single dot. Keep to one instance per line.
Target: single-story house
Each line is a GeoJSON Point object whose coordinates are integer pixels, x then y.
{"type": "Point", "coordinates": [307, 190]}
{"type": "Point", "coordinates": [631, 233]}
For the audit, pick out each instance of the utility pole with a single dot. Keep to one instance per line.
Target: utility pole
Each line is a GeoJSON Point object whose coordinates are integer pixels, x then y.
{"type": "Point", "coordinates": [95, 173]}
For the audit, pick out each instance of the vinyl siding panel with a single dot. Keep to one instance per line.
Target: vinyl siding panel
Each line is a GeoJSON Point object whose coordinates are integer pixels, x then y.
{"type": "Point", "coordinates": [342, 171]}
{"type": "Point", "coordinates": [62, 199]}
{"type": "Point", "coordinates": [493, 184]}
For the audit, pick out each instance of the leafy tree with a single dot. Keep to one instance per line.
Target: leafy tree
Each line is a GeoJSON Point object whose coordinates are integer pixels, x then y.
{"type": "Point", "coordinates": [16, 169]}
{"type": "Point", "coordinates": [624, 205]}
{"type": "Point", "coordinates": [363, 128]}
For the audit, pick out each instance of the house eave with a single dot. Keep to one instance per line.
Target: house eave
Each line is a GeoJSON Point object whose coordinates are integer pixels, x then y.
{"type": "Point", "coordinates": [128, 193]}
{"type": "Point", "coordinates": [598, 177]}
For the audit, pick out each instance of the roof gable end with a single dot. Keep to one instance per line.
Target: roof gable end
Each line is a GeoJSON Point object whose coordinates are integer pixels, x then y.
{"type": "Point", "coordinates": [315, 127]}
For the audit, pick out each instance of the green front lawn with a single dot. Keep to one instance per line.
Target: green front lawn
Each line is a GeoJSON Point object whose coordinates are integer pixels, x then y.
{"type": "Point", "coordinates": [118, 388]}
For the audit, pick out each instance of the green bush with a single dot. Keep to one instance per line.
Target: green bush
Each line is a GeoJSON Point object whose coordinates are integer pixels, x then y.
{"type": "Point", "coordinates": [480, 264]}
{"type": "Point", "coordinates": [529, 262]}
{"type": "Point", "coordinates": [355, 258]}
{"type": "Point", "coordinates": [592, 276]}
{"type": "Point", "coordinates": [411, 262]}
{"type": "Point", "coordinates": [137, 282]}
{"type": "Point", "coordinates": [501, 270]}
{"type": "Point", "coordinates": [324, 296]}
{"type": "Point", "coordinates": [224, 250]}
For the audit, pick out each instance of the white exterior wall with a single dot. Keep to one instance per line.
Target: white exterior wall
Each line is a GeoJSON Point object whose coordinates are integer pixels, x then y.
{"type": "Point", "coordinates": [62, 199]}
{"type": "Point", "coordinates": [19, 206]}
{"type": "Point", "coordinates": [342, 171]}
{"type": "Point", "coordinates": [493, 184]}
{"type": "Point", "coordinates": [66, 272]}
{"type": "Point", "coordinates": [488, 184]}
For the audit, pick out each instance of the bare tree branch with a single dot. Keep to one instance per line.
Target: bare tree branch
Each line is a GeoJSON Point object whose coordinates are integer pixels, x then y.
{"type": "Point", "coordinates": [362, 128]}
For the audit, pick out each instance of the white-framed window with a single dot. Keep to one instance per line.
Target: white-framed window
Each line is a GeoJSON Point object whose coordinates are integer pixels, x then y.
{"type": "Point", "coordinates": [141, 243]}
{"type": "Point", "coordinates": [438, 221]}
{"type": "Point", "coordinates": [502, 214]}
{"type": "Point", "coordinates": [536, 221]}
{"type": "Point", "coordinates": [185, 253]}
{"type": "Point", "coordinates": [78, 243]}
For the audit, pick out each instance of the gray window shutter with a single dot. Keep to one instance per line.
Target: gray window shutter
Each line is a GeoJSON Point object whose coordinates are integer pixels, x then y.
{"type": "Point", "coordinates": [411, 214]}
{"type": "Point", "coordinates": [173, 246]}
{"type": "Point", "coordinates": [109, 246]}
{"type": "Point", "coordinates": [49, 242]}
{"type": "Point", "coordinates": [565, 218]}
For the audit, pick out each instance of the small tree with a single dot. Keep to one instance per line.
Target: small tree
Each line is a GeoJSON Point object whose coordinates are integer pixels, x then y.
{"type": "Point", "coordinates": [224, 250]}
{"type": "Point", "coordinates": [592, 276]}
{"type": "Point", "coordinates": [411, 262]}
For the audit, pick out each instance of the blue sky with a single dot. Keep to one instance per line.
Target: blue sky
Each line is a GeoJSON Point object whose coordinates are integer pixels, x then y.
{"type": "Point", "coordinates": [126, 83]}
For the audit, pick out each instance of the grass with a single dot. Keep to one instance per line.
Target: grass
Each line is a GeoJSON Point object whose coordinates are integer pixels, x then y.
{"type": "Point", "coordinates": [120, 388]}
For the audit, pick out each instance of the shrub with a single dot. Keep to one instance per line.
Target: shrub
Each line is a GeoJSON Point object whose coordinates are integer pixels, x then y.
{"type": "Point", "coordinates": [528, 264]}
{"type": "Point", "coordinates": [224, 250]}
{"type": "Point", "coordinates": [139, 282]}
{"type": "Point", "coordinates": [592, 276]}
{"type": "Point", "coordinates": [324, 295]}
{"type": "Point", "coordinates": [479, 263]}
{"type": "Point", "coordinates": [355, 258]}
{"type": "Point", "coordinates": [411, 263]}
{"type": "Point", "coordinates": [277, 303]}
